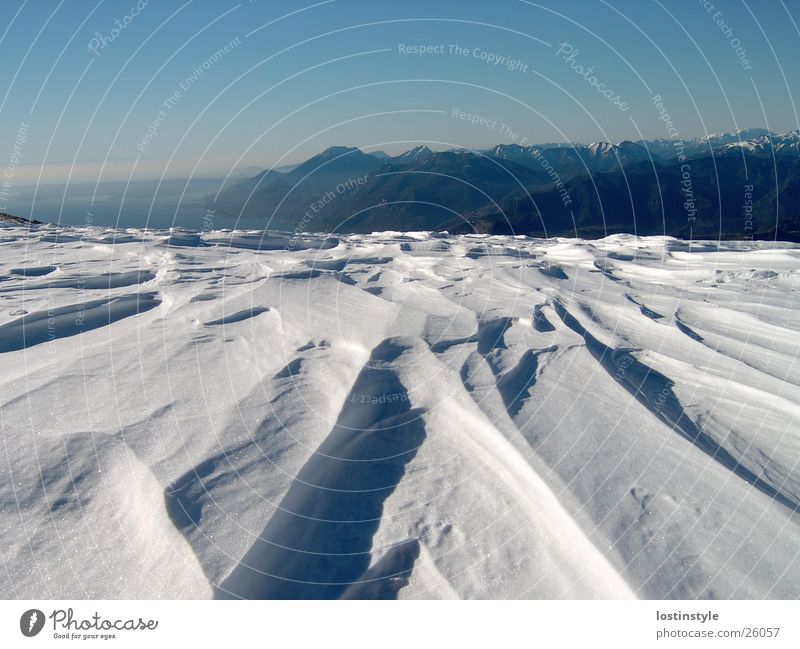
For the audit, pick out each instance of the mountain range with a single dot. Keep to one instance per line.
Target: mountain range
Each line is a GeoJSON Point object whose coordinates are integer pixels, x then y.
{"type": "Point", "coordinates": [737, 185]}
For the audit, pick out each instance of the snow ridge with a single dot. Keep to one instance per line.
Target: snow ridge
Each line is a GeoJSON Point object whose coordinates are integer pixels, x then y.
{"type": "Point", "coordinates": [237, 414]}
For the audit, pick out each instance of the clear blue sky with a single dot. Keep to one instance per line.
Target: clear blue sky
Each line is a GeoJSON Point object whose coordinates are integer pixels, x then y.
{"type": "Point", "coordinates": [332, 73]}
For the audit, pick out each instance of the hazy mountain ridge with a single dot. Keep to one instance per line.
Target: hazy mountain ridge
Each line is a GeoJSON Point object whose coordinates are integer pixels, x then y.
{"type": "Point", "coordinates": [740, 184]}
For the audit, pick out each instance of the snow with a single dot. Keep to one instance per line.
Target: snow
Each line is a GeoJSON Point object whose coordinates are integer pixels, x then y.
{"type": "Point", "coordinates": [232, 414]}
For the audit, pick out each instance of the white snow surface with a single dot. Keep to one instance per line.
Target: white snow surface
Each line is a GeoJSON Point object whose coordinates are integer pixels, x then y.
{"type": "Point", "coordinates": [232, 414]}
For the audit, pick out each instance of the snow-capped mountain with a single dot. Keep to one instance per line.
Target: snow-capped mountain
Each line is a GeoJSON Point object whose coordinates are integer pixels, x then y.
{"type": "Point", "coordinates": [582, 190]}
{"type": "Point", "coordinates": [736, 136]}
{"type": "Point", "coordinates": [417, 154]}
{"type": "Point", "coordinates": [769, 143]}
{"type": "Point", "coordinates": [607, 156]}
{"type": "Point", "coordinates": [573, 159]}
{"type": "Point", "coordinates": [752, 140]}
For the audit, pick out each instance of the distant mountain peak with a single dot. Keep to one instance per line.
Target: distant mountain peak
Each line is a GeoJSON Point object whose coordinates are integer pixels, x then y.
{"type": "Point", "coordinates": [417, 154]}
{"type": "Point", "coordinates": [599, 148]}
{"type": "Point", "coordinates": [419, 150]}
{"type": "Point", "coordinates": [336, 151]}
{"type": "Point", "coordinates": [737, 135]}
{"type": "Point", "coordinates": [338, 160]}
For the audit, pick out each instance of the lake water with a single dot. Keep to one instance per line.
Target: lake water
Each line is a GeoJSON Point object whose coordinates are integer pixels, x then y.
{"type": "Point", "coordinates": [170, 203]}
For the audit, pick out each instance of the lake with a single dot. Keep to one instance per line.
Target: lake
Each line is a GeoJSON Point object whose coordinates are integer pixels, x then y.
{"type": "Point", "coordinates": [139, 204]}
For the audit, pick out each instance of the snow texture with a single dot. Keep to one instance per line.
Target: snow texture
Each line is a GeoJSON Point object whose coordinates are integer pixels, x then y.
{"type": "Point", "coordinates": [228, 414]}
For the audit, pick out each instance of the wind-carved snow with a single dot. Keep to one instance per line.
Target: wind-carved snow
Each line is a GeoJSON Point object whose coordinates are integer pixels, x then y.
{"type": "Point", "coordinates": [228, 414]}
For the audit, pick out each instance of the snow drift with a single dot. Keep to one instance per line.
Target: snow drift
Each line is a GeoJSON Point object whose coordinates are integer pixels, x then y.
{"type": "Point", "coordinates": [229, 414]}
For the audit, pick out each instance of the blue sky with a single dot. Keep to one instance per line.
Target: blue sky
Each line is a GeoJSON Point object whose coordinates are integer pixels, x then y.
{"type": "Point", "coordinates": [93, 101]}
